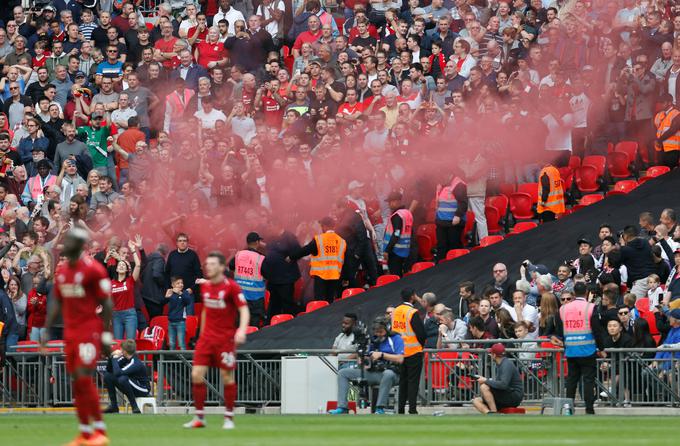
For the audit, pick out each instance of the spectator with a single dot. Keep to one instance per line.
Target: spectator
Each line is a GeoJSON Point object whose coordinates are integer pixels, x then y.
{"type": "Point", "coordinates": [154, 281]}
{"type": "Point", "coordinates": [9, 336]}
{"type": "Point", "coordinates": [431, 320]}
{"type": "Point", "coordinates": [636, 255]}
{"type": "Point", "coordinates": [123, 294]}
{"type": "Point", "coordinates": [37, 309]}
{"type": "Point", "coordinates": [283, 274]}
{"type": "Point", "coordinates": [501, 283]}
{"type": "Point", "coordinates": [548, 313]}
{"type": "Point", "coordinates": [126, 372]}
{"type": "Point", "coordinates": [180, 305]}
{"type": "Point", "coordinates": [450, 329]}
{"type": "Point", "coordinates": [184, 262]}
{"type": "Point", "coordinates": [504, 391]}
{"type": "Point", "coordinates": [345, 341]}
{"type": "Point", "coordinates": [490, 324]}
{"type": "Point", "coordinates": [523, 312]}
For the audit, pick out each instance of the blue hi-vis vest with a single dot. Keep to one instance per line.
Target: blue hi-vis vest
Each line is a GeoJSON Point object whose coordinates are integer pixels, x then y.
{"type": "Point", "coordinates": [446, 202]}
{"type": "Point", "coordinates": [248, 274]}
{"type": "Point", "coordinates": [579, 341]}
{"type": "Point", "coordinates": [403, 247]}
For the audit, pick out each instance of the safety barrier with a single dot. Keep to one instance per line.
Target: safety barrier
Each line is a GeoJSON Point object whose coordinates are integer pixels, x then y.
{"type": "Point", "coordinates": [625, 376]}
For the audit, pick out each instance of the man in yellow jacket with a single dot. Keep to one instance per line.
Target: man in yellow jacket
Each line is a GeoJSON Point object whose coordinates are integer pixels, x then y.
{"type": "Point", "coordinates": [550, 194]}
{"type": "Point", "coordinates": [328, 257]}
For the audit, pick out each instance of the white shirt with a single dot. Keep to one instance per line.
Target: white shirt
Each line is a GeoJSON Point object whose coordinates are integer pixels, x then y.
{"type": "Point", "coordinates": [559, 132]}
{"type": "Point", "coordinates": [230, 16]}
{"type": "Point", "coordinates": [530, 315]}
{"type": "Point", "coordinates": [671, 82]}
{"type": "Point", "coordinates": [208, 119]}
{"type": "Point", "coordinates": [580, 104]}
{"type": "Point", "coordinates": [344, 342]}
{"type": "Point", "coordinates": [262, 10]}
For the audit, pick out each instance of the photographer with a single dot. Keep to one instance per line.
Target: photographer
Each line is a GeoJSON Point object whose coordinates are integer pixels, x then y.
{"type": "Point", "coordinates": [507, 390]}
{"type": "Point", "coordinates": [385, 352]}
{"type": "Point", "coordinates": [126, 372]}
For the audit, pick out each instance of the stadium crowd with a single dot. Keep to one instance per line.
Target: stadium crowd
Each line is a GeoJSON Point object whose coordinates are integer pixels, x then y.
{"type": "Point", "coordinates": [149, 125]}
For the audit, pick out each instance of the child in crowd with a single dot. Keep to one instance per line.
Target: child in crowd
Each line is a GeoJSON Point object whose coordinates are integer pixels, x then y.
{"type": "Point", "coordinates": [181, 304]}
{"type": "Point", "coordinates": [655, 293]}
{"type": "Point", "coordinates": [522, 330]}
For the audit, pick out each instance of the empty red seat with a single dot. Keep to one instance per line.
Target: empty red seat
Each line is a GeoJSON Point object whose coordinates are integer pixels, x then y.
{"type": "Point", "coordinates": [617, 165]}
{"type": "Point", "coordinates": [280, 318]}
{"type": "Point", "coordinates": [524, 226]}
{"type": "Point", "coordinates": [425, 245]}
{"type": "Point", "coordinates": [251, 329]}
{"type": "Point", "coordinates": [656, 171]}
{"type": "Point", "coordinates": [161, 321]}
{"type": "Point", "coordinates": [623, 187]}
{"type": "Point", "coordinates": [574, 162]}
{"type": "Point", "coordinates": [520, 206]}
{"type": "Point", "coordinates": [506, 189]}
{"type": "Point", "coordinates": [512, 411]}
{"type": "Point", "coordinates": [490, 240]}
{"type": "Point", "coordinates": [351, 292]}
{"type": "Point", "coordinates": [385, 279]}
{"type": "Point", "coordinates": [599, 162]}
{"type": "Point", "coordinates": [567, 177]}
{"type": "Point", "coordinates": [428, 229]}
{"type": "Point", "coordinates": [531, 189]}
{"type": "Point", "coordinates": [315, 305]}
{"type": "Point", "coordinates": [500, 202]}
{"type": "Point", "coordinates": [455, 253]}
{"type": "Point", "coordinates": [421, 266]}
{"type": "Point", "coordinates": [586, 178]}
{"type": "Point", "coordinates": [587, 200]}
{"type": "Point", "coordinates": [630, 148]}
{"type": "Point", "coordinates": [493, 220]}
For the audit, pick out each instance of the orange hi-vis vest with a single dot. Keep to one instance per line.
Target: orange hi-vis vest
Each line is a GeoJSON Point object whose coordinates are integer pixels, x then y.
{"type": "Point", "coordinates": [555, 202]}
{"type": "Point", "coordinates": [330, 256]}
{"type": "Point", "coordinates": [179, 103]}
{"type": "Point", "coordinates": [662, 122]}
{"type": "Point", "coordinates": [401, 323]}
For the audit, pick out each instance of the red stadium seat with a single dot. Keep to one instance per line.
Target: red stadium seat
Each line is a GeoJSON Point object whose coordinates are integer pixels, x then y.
{"type": "Point", "coordinates": [500, 202]}
{"type": "Point", "coordinates": [524, 226]}
{"type": "Point", "coordinates": [490, 240]}
{"type": "Point", "coordinates": [428, 229]}
{"type": "Point", "coordinates": [315, 305]}
{"type": "Point", "coordinates": [493, 219]}
{"type": "Point", "coordinates": [599, 162]}
{"type": "Point", "coordinates": [623, 187]}
{"type": "Point", "coordinates": [285, 50]}
{"type": "Point", "coordinates": [651, 320]}
{"type": "Point", "coordinates": [439, 369]}
{"type": "Point", "coordinates": [332, 405]}
{"type": "Point", "coordinates": [531, 189]}
{"type": "Point", "coordinates": [421, 266]}
{"type": "Point", "coordinates": [587, 200]}
{"type": "Point", "coordinates": [191, 327]}
{"type": "Point", "coordinates": [567, 177]}
{"type": "Point", "coordinates": [469, 225]}
{"type": "Point", "coordinates": [520, 206]}
{"type": "Point", "coordinates": [617, 165]}
{"type": "Point", "coordinates": [587, 179]}
{"type": "Point", "coordinates": [351, 292]}
{"type": "Point", "coordinates": [385, 279]}
{"type": "Point", "coordinates": [250, 329]}
{"type": "Point", "coordinates": [656, 171]}
{"type": "Point", "coordinates": [455, 253]}
{"type": "Point", "coordinates": [630, 148]}
{"type": "Point", "coordinates": [642, 305]}
{"type": "Point", "coordinates": [574, 162]}
{"type": "Point", "coordinates": [280, 318]}
{"type": "Point", "coordinates": [160, 321]}
{"type": "Point", "coordinates": [506, 189]}
{"type": "Point", "coordinates": [27, 346]}
{"type": "Point", "coordinates": [425, 246]}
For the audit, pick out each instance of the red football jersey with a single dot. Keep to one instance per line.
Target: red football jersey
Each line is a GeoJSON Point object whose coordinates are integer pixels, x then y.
{"type": "Point", "coordinates": [221, 302]}
{"type": "Point", "coordinates": [81, 288]}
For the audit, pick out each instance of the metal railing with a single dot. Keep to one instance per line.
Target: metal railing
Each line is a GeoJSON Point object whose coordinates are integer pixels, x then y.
{"type": "Point", "coordinates": [625, 376]}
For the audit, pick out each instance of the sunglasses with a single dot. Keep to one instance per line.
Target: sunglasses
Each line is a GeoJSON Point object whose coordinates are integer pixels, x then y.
{"type": "Point", "coordinates": [623, 313]}
{"type": "Point", "coordinates": [566, 299]}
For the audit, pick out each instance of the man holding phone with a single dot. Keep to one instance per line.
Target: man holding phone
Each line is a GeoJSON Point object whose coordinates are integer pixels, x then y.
{"type": "Point", "coordinates": [506, 390]}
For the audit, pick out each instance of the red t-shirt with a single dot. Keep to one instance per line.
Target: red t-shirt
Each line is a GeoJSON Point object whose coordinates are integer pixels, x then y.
{"type": "Point", "coordinates": [248, 98]}
{"type": "Point", "coordinates": [37, 312]}
{"type": "Point", "coordinates": [273, 113]}
{"type": "Point", "coordinates": [81, 288]}
{"type": "Point", "coordinates": [351, 109]}
{"type": "Point", "coordinates": [368, 101]}
{"type": "Point", "coordinates": [166, 47]}
{"type": "Point", "coordinates": [123, 294]}
{"type": "Point", "coordinates": [221, 302]}
{"type": "Point", "coordinates": [201, 36]}
{"type": "Point", "coordinates": [210, 52]}
{"type": "Point", "coordinates": [306, 37]}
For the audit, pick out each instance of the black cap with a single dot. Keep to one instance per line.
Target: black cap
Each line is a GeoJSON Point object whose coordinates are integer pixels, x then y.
{"type": "Point", "coordinates": [584, 240]}
{"type": "Point", "coordinates": [253, 237]}
{"type": "Point", "coordinates": [394, 196]}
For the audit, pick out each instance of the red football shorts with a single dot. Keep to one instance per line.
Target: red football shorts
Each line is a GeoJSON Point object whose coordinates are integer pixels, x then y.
{"type": "Point", "coordinates": [83, 353]}
{"type": "Point", "coordinates": [215, 354]}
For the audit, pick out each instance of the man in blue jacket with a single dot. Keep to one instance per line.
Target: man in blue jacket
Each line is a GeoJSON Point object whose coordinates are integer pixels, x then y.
{"type": "Point", "coordinates": [127, 373]}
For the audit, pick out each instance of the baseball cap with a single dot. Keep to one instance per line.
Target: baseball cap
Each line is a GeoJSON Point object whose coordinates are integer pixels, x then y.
{"type": "Point", "coordinates": [584, 240]}
{"type": "Point", "coordinates": [394, 196]}
{"type": "Point", "coordinates": [355, 184]}
{"type": "Point", "coordinates": [419, 11]}
{"type": "Point", "coordinates": [497, 349]}
{"type": "Point", "coordinates": [675, 314]}
{"type": "Point", "coordinates": [80, 74]}
{"type": "Point", "coordinates": [541, 269]}
{"type": "Point", "coordinates": [253, 237]}
{"type": "Point", "coordinates": [50, 8]}
{"type": "Point", "coordinates": [97, 115]}
{"type": "Point", "coordinates": [314, 62]}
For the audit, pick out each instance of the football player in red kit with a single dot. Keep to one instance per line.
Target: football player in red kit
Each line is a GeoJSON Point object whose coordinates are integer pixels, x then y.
{"type": "Point", "coordinates": [82, 285]}
{"type": "Point", "coordinates": [223, 306]}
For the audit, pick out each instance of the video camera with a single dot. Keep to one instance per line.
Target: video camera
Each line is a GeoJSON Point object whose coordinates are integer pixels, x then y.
{"type": "Point", "coordinates": [363, 340]}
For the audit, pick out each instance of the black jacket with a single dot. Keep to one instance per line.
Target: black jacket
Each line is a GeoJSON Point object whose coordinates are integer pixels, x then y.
{"type": "Point", "coordinates": [186, 265]}
{"type": "Point", "coordinates": [280, 271]}
{"type": "Point", "coordinates": [133, 368]}
{"type": "Point", "coordinates": [637, 256]}
{"type": "Point", "coordinates": [153, 279]}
